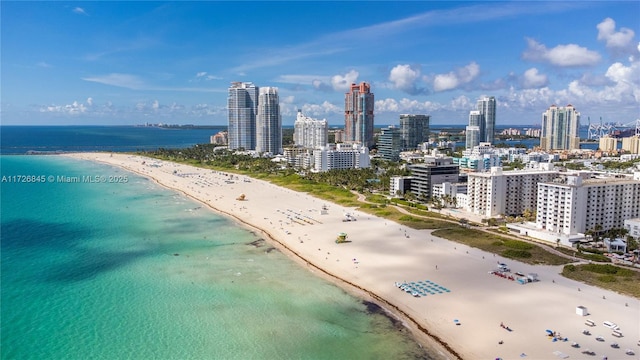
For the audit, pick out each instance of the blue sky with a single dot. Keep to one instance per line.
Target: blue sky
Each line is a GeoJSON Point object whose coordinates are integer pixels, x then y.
{"type": "Point", "coordinates": [172, 62]}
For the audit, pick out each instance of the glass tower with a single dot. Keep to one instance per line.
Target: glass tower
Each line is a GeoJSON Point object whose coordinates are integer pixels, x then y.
{"type": "Point", "coordinates": [269, 122]}
{"type": "Point", "coordinates": [242, 104]}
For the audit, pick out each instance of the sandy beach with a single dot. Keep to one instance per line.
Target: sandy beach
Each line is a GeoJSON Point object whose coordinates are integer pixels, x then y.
{"type": "Point", "coordinates": [464, 305]}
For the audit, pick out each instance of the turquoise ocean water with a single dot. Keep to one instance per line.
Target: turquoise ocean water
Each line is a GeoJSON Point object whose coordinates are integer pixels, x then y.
{"type": "Point", "coordinates": [135, 271]}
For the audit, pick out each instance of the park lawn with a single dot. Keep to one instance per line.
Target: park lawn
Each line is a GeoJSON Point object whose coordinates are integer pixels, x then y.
{"type": "Point", "coordinates": [606, 276]}
{"type": "Point", "coordinates": [512, 249]}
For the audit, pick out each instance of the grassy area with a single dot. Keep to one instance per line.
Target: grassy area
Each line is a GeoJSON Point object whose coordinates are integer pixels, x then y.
{"type": "Point", "coordinates": [606, 276]}
{"type": "Point", "coordinates": [494, 243]}
{"type": "Point", "coordinates": [584, 255]}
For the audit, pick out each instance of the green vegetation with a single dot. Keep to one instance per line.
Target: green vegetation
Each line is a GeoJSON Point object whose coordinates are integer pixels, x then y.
{"type": "Point", "coordinates": [620, 165]}
{"type": "Point", "coordinates": [606, 276]}
{"type": "Point", "coordinates": [512, 249]}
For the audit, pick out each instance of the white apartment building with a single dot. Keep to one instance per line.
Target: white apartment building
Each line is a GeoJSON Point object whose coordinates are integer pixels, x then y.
{"type": "Point", "coordinates": [571, 204]}
{"type": "Point", "coordinates": [299, 157]}
{"type": "Point", "coordinates": [633, 227]}
{"type": "Point", "coordinates": [451, 190]}
{"type": "Point", "coordinates": [500, 192]}
{"type": "Point", "coordinates": [310, 133]}
{"type": "Point", "coordinates": [345, 156]}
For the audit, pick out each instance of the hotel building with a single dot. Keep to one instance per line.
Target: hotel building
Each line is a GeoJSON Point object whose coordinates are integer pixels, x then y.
{"type": "Point", "coordinates": [352, 156]}
{"type": "Point", "coordinates": [358, 115]}
{"type": "Point", "coordinates": [560, 128]}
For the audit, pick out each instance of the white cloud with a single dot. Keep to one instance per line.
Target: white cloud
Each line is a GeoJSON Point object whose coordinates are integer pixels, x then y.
{"type": "Point", "coordinates": [404, 78]}
{"type": "Point", "coordinates": [570, 55]}
{"type": "Point", "coordinates": [203, 75]}
{"type": "Point", "coordinates": [121, 80]}
{"type": "Point", "coordinates": [620, 42]}
{"type": "Point", "coordinates": [456, 78]}
{"type": "Point", "coordinates": [533, 79]}
{"type": "Point", "coordinates": [462, 103]}
{"type": "Point", "coordinates": [321, 109]}
{"type": "Point", "coordinates": [90, 101]}
{"type": "Point", "coordinates": [343, 82]}
{"type": "Point", "coordinates": [405, 105]}
{"type": "Point", "coordinates": [80, 11]}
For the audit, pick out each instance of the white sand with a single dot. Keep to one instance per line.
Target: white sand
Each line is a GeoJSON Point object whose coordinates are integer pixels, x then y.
{"type": "Point", "coordinates": [384, 254]}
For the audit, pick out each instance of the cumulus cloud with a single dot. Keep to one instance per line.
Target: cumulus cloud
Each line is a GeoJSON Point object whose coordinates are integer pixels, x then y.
{"type": "Point", "coordinates": [570, 55]}
{"type": "Point", "coordinates": [533, 79]}
{"type": "Point", "coordinates": [90, 101]}
{"type": "Point", "coordinates": [456, 78]}
{"type": "Point", "coordinates": [343, 82]}
{"type": "Point", "coordinates": [404, 78]}
{"type": "Point", "coordinates": [619, 42]}
{"type": "Point", "coordinates": [321, 109]}
{"type": "Point", "coordinates": [405, 105]}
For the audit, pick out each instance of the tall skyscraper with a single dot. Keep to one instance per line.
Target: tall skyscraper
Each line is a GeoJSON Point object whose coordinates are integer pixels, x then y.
{"type": "Point", "coordinates": [560, 128]}
{"type": "Point", "coordinates": [487, 107]}
{"type": "Point", "coordinates": [474, 130]}
{"type": "Point", "coordinates": [268, 122]}
{"type": "Point", "coordinates": [358, 115]}
{"type": "Point", "coordinates": [414, 130]}
{"type": "Point", "coordinates": [242, 104]}
{"type": "Point", "coordinates": [310, 133]}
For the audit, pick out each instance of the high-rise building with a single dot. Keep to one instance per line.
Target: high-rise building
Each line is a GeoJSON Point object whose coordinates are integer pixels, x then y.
{"type": "Point", "coordinates": [414, 130]}
{"type": "Point", "coordinates": [358, 115]}
{"type": "Point", "coordinates": [573, 204]}
{"type": "Point", "coordinates": [474, 132]}
{"type": "Point", "coordinates": [269, 122]}
{"type": "Point", "coordinates": [487, 108]}
{"type": "Point", "coordinates": [608, 143]}
{"type": "Point", "coordinates": [631, 144]}
{"type": "Point", "coordinates": [242, 104]}
{"type": "Point", "coordinates": [310, 133]}
{"type": "Point", "coordinates": [390, 143]}
{"type": "Point", "coordinates": [560, 128]}
{"type": "Point", "coordinates": [505, 192]}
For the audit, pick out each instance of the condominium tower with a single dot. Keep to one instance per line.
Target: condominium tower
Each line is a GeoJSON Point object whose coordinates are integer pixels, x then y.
{"type": "Point", "coordinates": [414, 130]}
{"type": "Point", "coordinates": [358, 115]}
{"type": "Point", "coordinates": [560, 128]}
{"type": "Point", "coordinates": [268, 122]}
{"type": "Point", "coordinates": [242, 104]}
{"type": "Point", "coordinates": [310, 133]}
{"type": "Point", "coordinates": [482, 122]}
{"type": "Point", "coordinates": [473, 131]}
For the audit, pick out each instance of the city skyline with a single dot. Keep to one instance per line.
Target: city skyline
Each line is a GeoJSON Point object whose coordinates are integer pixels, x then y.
{"type": "Point", "coordinates": [114, 63]}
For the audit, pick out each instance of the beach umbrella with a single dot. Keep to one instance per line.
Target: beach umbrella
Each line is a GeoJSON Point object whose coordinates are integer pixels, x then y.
{"type": "Point", "coordinates": [549, 332]}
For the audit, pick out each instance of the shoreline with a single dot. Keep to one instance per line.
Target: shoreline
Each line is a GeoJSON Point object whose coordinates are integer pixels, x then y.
{"type": "Point", "coordinates": [428, 318]}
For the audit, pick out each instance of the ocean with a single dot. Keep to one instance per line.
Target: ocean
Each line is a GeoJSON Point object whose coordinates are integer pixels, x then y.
{"type": "Point", "coordinates": [135, 271]}
{"type": "Point", "coordinates": [21, 139]}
